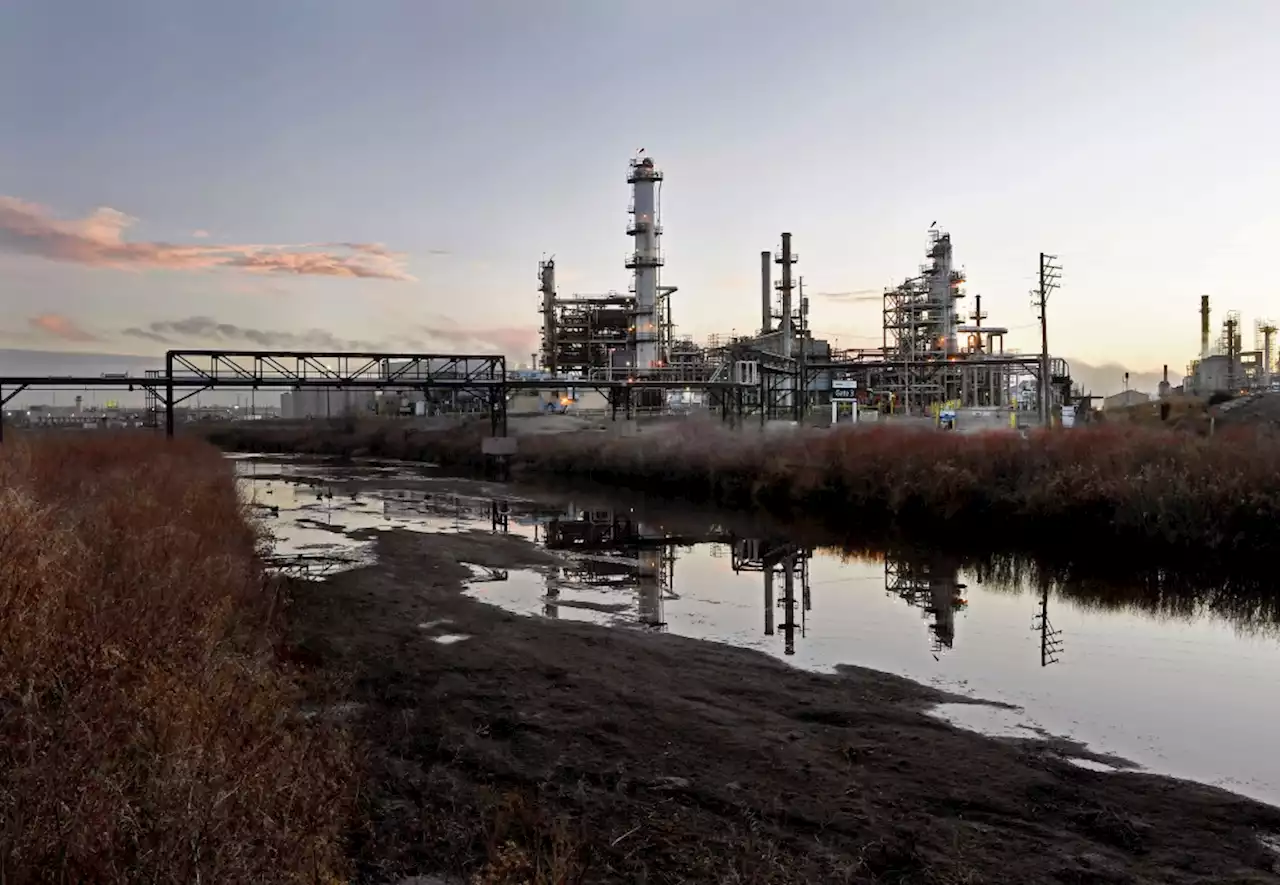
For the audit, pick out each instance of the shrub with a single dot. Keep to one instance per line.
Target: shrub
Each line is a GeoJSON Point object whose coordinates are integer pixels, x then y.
{"type": "Point", "coordinates": [147, 733]}
{"type": "Point", "coordinates": [1108, 485]}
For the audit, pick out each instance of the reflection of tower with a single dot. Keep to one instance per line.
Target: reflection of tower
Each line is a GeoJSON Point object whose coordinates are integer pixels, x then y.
{"type": "Point", "coordinates": [500, 515]}
{"type": "Point", "coordinates": [613, 551]}
{"type": "Point", "coordinates": [463, 510]}
{"type": "Point", "coordinates": [944, 591]}
{"type": "Point", "coordinates": [1050, 639]}
{"type": "Point", "coordinates": [649, 573]}
{"type": "Point", "coordinates": [778, 560]}
{"type": "Point", "coordinates": [931, 584]}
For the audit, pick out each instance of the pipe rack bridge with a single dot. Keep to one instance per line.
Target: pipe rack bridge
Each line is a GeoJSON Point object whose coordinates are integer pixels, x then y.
{"type": "Point", "coordinates": [482, 377]}
{"type": "Point", "coordinates": [187, 373]}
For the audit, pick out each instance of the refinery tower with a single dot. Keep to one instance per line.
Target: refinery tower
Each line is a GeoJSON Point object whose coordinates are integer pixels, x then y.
{"type": "Point", "coordinates": [645, 260]}
{"type": "Point", "coordinates": [615, 335]}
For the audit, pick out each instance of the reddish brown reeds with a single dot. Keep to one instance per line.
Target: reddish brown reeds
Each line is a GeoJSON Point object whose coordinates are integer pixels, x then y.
{"type": "Point", "coordinates": [147, 732]}
{"type": "Point", "coordinates": [1209, 494]}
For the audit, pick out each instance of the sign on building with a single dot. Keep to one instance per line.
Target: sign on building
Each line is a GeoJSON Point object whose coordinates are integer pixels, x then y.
{"type": "Point", "coordinates": [844, 390]}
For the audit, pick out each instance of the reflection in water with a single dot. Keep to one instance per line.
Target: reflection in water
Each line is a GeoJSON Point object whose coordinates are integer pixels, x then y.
{"type": "Point", "coordinates": [609, 549]}
{"type": "Point", "coordinates": [1050, 639]}
{"type": "Point", "coordinates": [931, 583]}
{"type": "Point", "coordinates": [775, 558]}
{"type": "Point", "coordinates": [1163, 668]}
{"type": "Point", "coordinates": [613, 550]}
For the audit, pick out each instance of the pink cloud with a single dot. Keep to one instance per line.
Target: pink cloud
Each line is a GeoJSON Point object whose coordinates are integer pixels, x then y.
{"type": "Point", "coordinates": [447, 338]}
{"type": "Point", "coordinates": [200, 234]}
{"type": "Point", "coordinates": [511, 340]}
{"type": "Point", "coordinates": [59, 326]}
{"type": "Point", "coordinates": [98, 240]}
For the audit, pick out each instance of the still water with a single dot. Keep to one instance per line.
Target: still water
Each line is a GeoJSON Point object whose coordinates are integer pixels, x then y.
{"type": "Point", "coordinates": [1181, 687]}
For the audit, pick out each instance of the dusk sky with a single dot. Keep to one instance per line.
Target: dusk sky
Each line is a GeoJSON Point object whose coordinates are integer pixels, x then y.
{"type": "Point", "coordinates": [321, 173]}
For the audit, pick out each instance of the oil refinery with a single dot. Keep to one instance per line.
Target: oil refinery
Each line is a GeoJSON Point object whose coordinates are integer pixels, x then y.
{"type": "Point", "coordinates": [932, 355]}
{"type": "Point", "coordinates": [619, 353]}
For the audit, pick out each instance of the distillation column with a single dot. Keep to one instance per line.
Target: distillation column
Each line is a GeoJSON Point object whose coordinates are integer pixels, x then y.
{"type": "Point", "coordinates": [942, 294]}
{"type": "Point", "coordinates": [786, 259]}
{"type": "Point", "coordinates": [547, 286]}
{"type": "Point", "coordinates": [645, 259]}
{"type": "Point", "coordinates": [766, 293]}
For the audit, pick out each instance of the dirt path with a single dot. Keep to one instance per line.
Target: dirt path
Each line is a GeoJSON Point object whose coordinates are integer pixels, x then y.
{"type": "Point", "coordinates": [607, 755]}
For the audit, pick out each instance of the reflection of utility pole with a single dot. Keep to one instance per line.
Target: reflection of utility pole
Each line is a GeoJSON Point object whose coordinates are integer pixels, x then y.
{"type": "Point", "coordinates": [1050, 639]}
{"type": "Point", "coordinates": [1050, 275]}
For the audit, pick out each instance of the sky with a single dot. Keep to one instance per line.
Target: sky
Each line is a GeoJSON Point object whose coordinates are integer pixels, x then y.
{"type": "Point", "coordinates": [386, 175]}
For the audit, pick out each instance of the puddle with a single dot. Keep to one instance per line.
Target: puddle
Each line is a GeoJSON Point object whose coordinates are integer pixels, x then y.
{"type": "Point", "coordinates": [450, 638]}
{"type": "Point", "coordinates": [994, 721]}
{"type": "Point", "coordinates": [1175, 683]}
{"type": "Point", "coordinates": [314, 518]}
{"type": "Point", "coordinates": [1092, 764]}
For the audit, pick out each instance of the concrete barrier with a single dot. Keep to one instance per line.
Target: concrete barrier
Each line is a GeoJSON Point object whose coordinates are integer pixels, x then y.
{"type": "Point", "coordinates": [976, 419]}
{"type": "Point", "coordinates": [498, 445]}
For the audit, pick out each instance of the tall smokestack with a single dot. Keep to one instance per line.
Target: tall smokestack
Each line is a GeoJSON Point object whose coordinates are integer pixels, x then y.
{"type": "Point", "coordinates": [1204, 326]}
{"type": "Point", "coordinates": [766, 293]}
{"type": "Point", "coordinates": [786, 259]}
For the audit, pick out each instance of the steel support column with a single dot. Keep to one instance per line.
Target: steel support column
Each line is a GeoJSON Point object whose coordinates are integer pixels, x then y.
{"type": "Point", "coordinates": [168, 395]}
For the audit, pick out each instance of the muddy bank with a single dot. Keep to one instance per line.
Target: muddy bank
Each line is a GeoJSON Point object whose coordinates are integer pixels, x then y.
{"type": "Point", "coordinates": [619, 756]}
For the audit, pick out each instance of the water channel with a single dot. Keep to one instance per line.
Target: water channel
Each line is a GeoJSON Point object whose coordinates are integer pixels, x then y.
{"type": "Point", "coordinates": [1181, 687]}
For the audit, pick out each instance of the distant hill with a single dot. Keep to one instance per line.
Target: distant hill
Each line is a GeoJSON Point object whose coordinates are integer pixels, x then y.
{"type": "Point", "coordinates": [1106, 379]}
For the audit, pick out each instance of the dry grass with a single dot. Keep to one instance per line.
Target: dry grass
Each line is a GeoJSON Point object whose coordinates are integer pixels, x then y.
{"type": "Point", "coordinates": [1185, 413]}
{"type": "Point", "coordinates": [523, 847]}
{"type": "Point", "coordinates": [449, 441]}
{"type": "Point", "coordinates": [147, 732]}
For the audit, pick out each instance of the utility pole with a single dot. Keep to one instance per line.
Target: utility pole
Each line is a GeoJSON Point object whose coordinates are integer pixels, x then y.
{"type": "Point", "coordinates": [1049, 279]}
